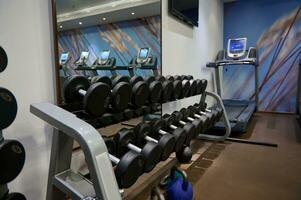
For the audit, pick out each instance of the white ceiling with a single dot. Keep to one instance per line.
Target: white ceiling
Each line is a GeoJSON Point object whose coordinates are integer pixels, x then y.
{"type": "Point", "coordinates": [92, 12]}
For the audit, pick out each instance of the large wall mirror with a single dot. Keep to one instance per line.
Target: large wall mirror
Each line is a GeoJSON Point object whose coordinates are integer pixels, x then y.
{"type": "Point", "coordinates": [87, 31]}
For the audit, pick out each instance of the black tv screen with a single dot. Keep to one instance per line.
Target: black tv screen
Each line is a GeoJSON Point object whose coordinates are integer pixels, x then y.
{"type": "Point", "coordinates": [186, 10]}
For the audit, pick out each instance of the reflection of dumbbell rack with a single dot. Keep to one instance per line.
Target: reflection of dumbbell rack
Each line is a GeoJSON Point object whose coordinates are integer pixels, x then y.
{"type": "Point", "coordinates": [12, 152]}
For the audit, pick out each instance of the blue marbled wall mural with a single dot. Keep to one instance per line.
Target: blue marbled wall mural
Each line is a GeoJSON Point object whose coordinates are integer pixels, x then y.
{"type": "Point", "coordinates": [274, 27]}
{"type": "Point", "coordinates": [123, 39]}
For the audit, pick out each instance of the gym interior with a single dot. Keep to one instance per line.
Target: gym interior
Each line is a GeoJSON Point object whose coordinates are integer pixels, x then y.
{"type": "Point", "coordinates": [200, 98]}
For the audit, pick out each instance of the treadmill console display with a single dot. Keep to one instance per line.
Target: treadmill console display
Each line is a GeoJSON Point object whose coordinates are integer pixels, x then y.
{"type": "Point", "coordinates": [143, 55]}
{"type": "Point", "coordinates": [83, 58]}
{"type": "Point", "coordinates": [104, 57]}
{"type": "Point", "coordinates": [64, 58]}
{"type": "Point", "coordinates": [237, 47]}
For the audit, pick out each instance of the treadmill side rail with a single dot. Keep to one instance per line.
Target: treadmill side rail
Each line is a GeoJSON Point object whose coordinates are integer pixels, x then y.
{"type": "Point", "coordinates": [68, 127]}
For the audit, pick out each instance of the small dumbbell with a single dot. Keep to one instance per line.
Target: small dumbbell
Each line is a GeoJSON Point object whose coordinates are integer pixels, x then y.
{"type": "Point", "coordinates": [173, 123]}
{"type": "Point", "coordinates": [151, 152]}
{"type": "Point", "coordinates": [185, 85]}
{"type": "Point", "coordinates": [199, 123]}
{"type": "Point", "coordinates": [128, 168]}
{"type": "Point", "coordinates": [166, 141]}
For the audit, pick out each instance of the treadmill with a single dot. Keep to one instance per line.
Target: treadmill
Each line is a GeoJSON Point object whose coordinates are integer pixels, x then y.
{"type": "Point", "coordinates": [239, 111]}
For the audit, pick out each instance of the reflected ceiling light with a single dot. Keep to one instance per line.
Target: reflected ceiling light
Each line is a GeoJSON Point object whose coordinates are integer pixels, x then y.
{"type": "Point", "coordinates": [104, 19]}
{"type": "Point", "coordinates": [61, 26]}
{"type": "Point", "coordinates": [133, 13]}
{"type": "Point", "coordinates": [80, 23]}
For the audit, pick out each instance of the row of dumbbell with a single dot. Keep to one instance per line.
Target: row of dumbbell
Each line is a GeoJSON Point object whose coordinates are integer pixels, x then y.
{"type": "Point", "coordinates": [141, 148]}
{"type": "Point", "coordinates": [120, 92]}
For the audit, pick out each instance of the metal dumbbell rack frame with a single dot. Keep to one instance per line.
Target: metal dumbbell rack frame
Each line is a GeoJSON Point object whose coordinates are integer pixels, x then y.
{"type": "Point", "coordinates": [67, 128]}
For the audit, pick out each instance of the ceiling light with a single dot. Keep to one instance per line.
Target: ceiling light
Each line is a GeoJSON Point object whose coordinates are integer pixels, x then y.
{"type": "Point", "coordinates": [133, 13]}
{"type": "Point", "coordinates": [61, 26]}
{"type": "Point", "coordinates": [80, 23]}
{"type": "Point", "coordinates": [104, 19]}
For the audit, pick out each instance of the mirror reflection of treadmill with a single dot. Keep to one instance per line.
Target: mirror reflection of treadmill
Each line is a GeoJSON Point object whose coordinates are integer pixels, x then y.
{"type": "Point", "coordinates": [143, 55]}
{"type": "Point", "coordinates": [104, 57]}
{"type": "Point", "coordinates": [83, 58]}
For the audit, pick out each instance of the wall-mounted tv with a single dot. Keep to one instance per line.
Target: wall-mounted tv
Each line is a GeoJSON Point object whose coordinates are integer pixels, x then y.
{"type": "Point", "coordinates": [186, 10]}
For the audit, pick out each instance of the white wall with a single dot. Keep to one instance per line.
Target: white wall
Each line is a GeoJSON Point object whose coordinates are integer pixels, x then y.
{"type": "Point", "coordinates": [26, 36]}
{"type": "Point", "coordinates": [186, 50]}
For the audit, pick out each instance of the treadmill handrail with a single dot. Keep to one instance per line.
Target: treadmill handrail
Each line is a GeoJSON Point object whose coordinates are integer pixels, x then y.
{"type": "Point", "coordinates": [91, 142]}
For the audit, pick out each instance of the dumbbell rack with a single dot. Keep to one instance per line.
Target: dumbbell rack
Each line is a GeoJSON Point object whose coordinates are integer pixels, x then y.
{"type": "Point", "coordinates": [62, 180]}
{"type": "Point", "coordinates": [3, 188]}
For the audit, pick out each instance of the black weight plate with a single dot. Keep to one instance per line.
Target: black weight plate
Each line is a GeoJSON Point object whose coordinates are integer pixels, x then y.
{"type": "Point", "coordinates": [15, 196]}
{"type": "Point", "coordinates": [160, 78]}
{"type": "Point", "coordinates": [185, 88]}
{"type": "Point", "coordinates": [111, 145]}
{"type": "Point", "coordinates": [135, 79]}
{"type": "Point", "coordinates": [120, 79]}
{"type": "Point", "coordinates": [167, 143]}
{"type": "Point", "coordinates": [189, 77]}
{"type": "Point", "coordinates": [106, 119]}
{"type": "Point", "coordinates": [103, 79]}
{"type": "Point", "coordinates": [179, 78]}
{"type": "Point", "coordinates": [177, 89]}
{"type": "Point", "coordinates": [71, 87]}
{"type": "Point", "coordinates": [184, 77]}
{"type": "Point", "coordinates": [123, 138]}
{"type": "Point", "coordinates": [97, 99]}
{"type": "Point", "coordinates": [193, 88]}
{"type": "Point", "coordinates": [12, 158]}
{"type": "Point", "coordinates": [129, 168]}
{"type": "Point", "coordinates": [121, 96]}
{"type": "Point", "coordinates": [155, 89]}
{"type": "Point", "coordinates": [191, 132]}
{"type": "Point", "coordinates": [149, 79]}
{"type": "Point", "coordinates": [157, 125]}
{"type": "Point", "coordinates": [198, 127]}
{"type": "Point", "coordinates": [180, 136]}
{"type": "Point", "coordinates": [205, 84]}
{"type": "Point", "coordinates": [167, 90]}
{"type": "Point", "coordinates": [151, 152]}
{"type": "Point", "coordinates": [128, 114]}
{"type": "Point", "coordinates": [3, 60]}
{"type": "Point", "coordinates": [140, 93]}
{"type": "Point", "coordinates": [185, 155]}
{"type": "Point", "coordinates": [170, 78]}
{"type": "Point", "coordinates": [169, 119]}
{"type": "Point", "coordinates": [141, 131]}
{"type": "Point", "coordinates": [8, 107]}
{"type": "Point", "coordinates": [199, 86]}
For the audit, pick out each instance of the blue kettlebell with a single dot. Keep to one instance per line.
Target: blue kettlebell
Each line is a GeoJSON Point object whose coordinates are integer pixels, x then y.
{"type": "Point", "coordinates": [179, 188]}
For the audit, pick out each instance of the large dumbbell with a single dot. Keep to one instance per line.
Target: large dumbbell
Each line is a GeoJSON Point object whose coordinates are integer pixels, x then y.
{"type": "Point", "coordinates": [193, 84]}
{"type": "Point", "coordinates": [151, 152]}
{"type": "Point", "coordinates": [173, 123]}
{"type": "Point", "coordinates": [128, 168]}
{"type": "Point", "coordinates": [145, 134]}
{"type": "Point", "coordinates": [121, 92]}
{"type": "Point", "coordinates": [185, 86]}
{"type": "Point", "coordinates": [159, 126]}
{"type": "Point", "coordinates": [95, 98]}
{"type": "Point", "coordinates": [200, 123]}
{"type": "Point", "coordinates": [155, 89]}
{"type": "Point", "coordinates": [167, 87]}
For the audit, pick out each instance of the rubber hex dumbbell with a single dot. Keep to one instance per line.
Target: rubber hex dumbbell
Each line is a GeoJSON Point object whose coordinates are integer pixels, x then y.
{"type": "Point", "coordinates": [120, 93]}
{"type": "Point", "coordinates": [185, 85]}
{"type": "Point", "coordinates": [197, 122]}
{"type": "Point", "coordinates": [177, 87]}
{"type": "Point", "coordinates": [216, 111]}
{"type": "Point", "coordinates": [95, 98]}
{"type": "Point", "coordinates": [155, 89]}
{"type": "Point", "coordinates": [159, 127]}
{"type": "Point", "coordinates": [166, 141]}
{"type": "Point", "coordinates": [151, 152]}
{"type": "Point", "coordinates": [128, 168]}
{"type": "Point", "coordinates": [167, 87]}
{"type": "Point", "coordinates": [201, 86]}
{"type": "Point", "coordinates": [189, 129]}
